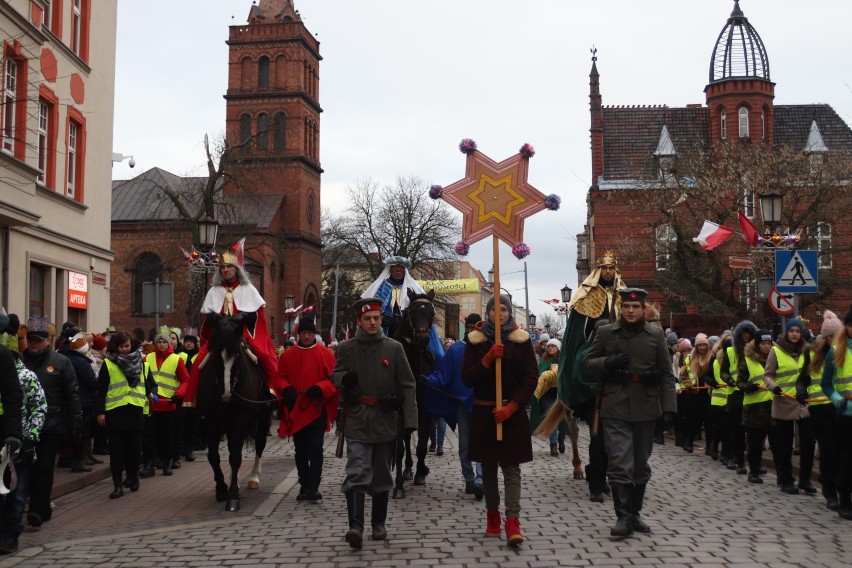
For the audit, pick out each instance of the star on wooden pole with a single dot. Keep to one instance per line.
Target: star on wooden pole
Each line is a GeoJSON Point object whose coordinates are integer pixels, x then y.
{"type": "Point", "coordinates": [495, 198]}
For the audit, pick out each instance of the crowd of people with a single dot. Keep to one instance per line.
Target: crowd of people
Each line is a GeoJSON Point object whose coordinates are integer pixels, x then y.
{"type": "Point", "coordinates": [614, 368]}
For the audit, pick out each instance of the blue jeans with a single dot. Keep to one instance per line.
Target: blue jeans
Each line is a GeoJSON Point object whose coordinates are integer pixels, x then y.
{"type": "Point", "coordinates": [439, 425]}
{"type": "Point", "coordinates": [471, 471]}
{"type": "Point", "coordinates": [13, 505]}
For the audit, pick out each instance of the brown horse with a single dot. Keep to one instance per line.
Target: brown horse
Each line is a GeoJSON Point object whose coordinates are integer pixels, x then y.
{"type": "Point", "coordinates": [232, 396]}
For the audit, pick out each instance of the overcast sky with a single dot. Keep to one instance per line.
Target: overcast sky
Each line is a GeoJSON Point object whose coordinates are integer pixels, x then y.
{"type": "Point", "coordinates": [402, 81]}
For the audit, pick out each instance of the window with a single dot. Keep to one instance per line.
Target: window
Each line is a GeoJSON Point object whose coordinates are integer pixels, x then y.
{"type": "Point", "coordinates": [71, 179]}
{"type": "Point", "coordinates": [263, 131]}
{"type": "Point", "coordinates": [76, 26]}
{"type": "Point", "coordinates": [743, 117]}
{"type": "Point", "coordinates": [38, 279]}
{"type": "Point", "coordinates": [723, 123]}
{"type": "Point", "coordinates": [10, 87]}
{"type": "Point", "coordinates": [747, 198]}
{"type": "Point", "coordinates": [263, 72]}
{"type": "Point", "coordinates": [279, 130]}
{"type": "Point", "coordinates": [584, 250]}
{"type": "Point", "coordinates": [822, 236]}
{"type": "Point", "coordinates": [148, 268]}
{"type": "Point", "coordinates": [763, 125]}
{"type": "Point", "coordinates": [43, 121]}
{"type": "Point", "coordinates": [666, 239]}
{"type": "Point", "coordinates": [48, 15]}
{"type": "Point", "coordinates": [245, 129]}
{"type": "Point", "coordinates": [748, 284]}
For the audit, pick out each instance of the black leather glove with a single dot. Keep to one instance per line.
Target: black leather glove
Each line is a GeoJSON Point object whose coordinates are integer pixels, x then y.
{"type": "Point", "coordinates": [390, 402]}
{"type": "Point", "coordinates": [315, 393]}
{"type": "Point", "coordinates": [350, 380]}
{"type": "Point", "coordinates": [777, 390]}
{"type": "Point", "coordinates": [668, 420]}
{"type": "Point", "coordinates": [178, 401]}
{"type": "Point", "coordinates": [617, 361]}
{"type": "Point", "coordinates": [749, 388]}
{"type": "Point", "coordinates": [26, 454]}
{"type": "Point", "coordinates": [13, 443]}
{"type": "Point", "coordinates": [288, 397]}
{"type": "Point", "coordinates": [731, 382]}
{"type": "Point", "coordinates": [802, 398]}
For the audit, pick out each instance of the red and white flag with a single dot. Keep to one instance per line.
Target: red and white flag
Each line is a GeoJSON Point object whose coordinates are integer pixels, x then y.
{"type": "Point", "coordinates": [712, 235]}
{"type": "Point", "coordinates": [748, 229]}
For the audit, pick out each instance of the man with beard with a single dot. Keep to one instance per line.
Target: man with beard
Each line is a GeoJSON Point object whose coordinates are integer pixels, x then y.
{"type": "Point", "coordinates": [637, 384]}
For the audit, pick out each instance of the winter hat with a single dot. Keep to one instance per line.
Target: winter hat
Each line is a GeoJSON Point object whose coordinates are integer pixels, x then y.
{"type": "Point", "coordinates": [555, 342]}
{"type": "Point", "coordinates": [306, 323]}
{"type": "Point", "coordinates": [671, 338]}
{"type": "Point", "coordinates": [472, 319]}
{"type": "Point", "coordinates": [99, 342]}
{"type": "Point", "coordinates": [831, 324]}
{"type": "Point", "coordinates": [793, 322]}
{"type": "Point", "coordinates": [701, 339]}
{"type": "Point", "coordinates": [762, 335]}
{"type": "Point", "coordinates": [504, 301]}
{"type": "Point", "coordinates": [713, 340]}
{"type": "Point", "coordinates": [684, 344]}
{"type": "Point", "coordinates": [178, 333]}
{"type": "Point", "coordinates": [37, 328]}
{"type": "Point", "coordinates": [163, 333]}
{"type": "Point", "coordinates": [79, 343]}
{"type": "Point", "coordinates": [544, 338]}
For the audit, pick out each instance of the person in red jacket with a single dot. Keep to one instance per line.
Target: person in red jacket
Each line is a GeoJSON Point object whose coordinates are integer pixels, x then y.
{"type": "Point", "coordinates": [232, 293]}
{"type": "Point", "coordinates": [169, 372]}
{"type": "Point", "coordinates": [308, 404]}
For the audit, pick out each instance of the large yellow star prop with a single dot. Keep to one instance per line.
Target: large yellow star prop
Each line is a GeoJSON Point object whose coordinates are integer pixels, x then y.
{"type": "Point", "coordinates": [494, 198]}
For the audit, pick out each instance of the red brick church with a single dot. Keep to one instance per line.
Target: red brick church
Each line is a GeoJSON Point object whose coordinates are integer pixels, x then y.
{"type": "Point", "coordinates": [270, 193]}
{"type": "Point", "coordinates": [640, 153]}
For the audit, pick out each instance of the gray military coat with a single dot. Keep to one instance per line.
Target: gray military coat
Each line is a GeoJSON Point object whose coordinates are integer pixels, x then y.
{"type": "Point", "coordinates": [633, 401]}
{"type": "Point", "coordinates": [382, 369]}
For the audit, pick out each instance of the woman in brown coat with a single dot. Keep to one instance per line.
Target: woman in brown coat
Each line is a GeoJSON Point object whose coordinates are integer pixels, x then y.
{"type": "Point", "coordinates": [519, 377]}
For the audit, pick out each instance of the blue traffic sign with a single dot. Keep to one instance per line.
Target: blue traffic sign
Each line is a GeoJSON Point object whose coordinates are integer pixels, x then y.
{"type": "Point", "coordinates": [796, 271]}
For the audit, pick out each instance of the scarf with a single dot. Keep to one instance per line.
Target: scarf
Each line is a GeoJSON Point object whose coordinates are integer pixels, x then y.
{"type": "Point", "coordinates": [130, 365]}
{"type": "Point", "coordinates": [362, 336]}
{"type": "Point", "coordinates": [489, 329]}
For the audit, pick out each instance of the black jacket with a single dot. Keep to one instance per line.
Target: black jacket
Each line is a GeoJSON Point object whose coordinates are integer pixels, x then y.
{"type": "Point", "coordinates": [11, 396]}
{"type": "Point", "coordinates": [57, 378]}
{"type": "Point", "coordinates": [87, 382]}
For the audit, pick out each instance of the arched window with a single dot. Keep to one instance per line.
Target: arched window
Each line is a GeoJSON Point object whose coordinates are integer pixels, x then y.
{"type": "Point", "coordinates": [666, 239]}
{"type": "Point", "coordinates": [743, 122]}
{"type": "Point", "coordinates": [763, 125]}
{"type": "Point", "coordinates": [263, 131]}
{"type": "Point", "coordinates": [263, 72]}
{"type": "Point", "coordinates": [245, 129]}
{"type": "Point", "coordinates": [723, 123]}
{"type": "Point", "coordinates": [147, 268]}
{"type": "Point", "coordinates": [279, 124]}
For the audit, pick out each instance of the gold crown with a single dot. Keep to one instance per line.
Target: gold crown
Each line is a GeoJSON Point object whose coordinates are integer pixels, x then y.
{"type": "Point", "coordinates": [608, 259]}
{"type": "Point", "coordinates": [229, 257]}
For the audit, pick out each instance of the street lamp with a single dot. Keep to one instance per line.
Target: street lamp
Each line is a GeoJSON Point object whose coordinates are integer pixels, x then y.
{"type": "Point", "coordinates": [208, 230]}
{"type": "Point", "coordinates": [531, 319]}
{"type": "Point", "coordinates": [770, 208]}
{"type": "Point", "coordinates": [491, 276]}
{"type": "Point", "coordinates": [566, 299]}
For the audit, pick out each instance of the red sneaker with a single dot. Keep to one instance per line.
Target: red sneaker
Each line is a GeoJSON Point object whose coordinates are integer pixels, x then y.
{"type": "Point", "coordinates": [493, 528]}
{"type": "Point", "coordinates": [513, 532]}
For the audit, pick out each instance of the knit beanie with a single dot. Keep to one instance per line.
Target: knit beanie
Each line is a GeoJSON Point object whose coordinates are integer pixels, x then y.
{"type": "Point", "coordinates": [671, 338]}
{"type": "Point", "coordinates": [98, 342]}
{"type": "Point", "coordinates": [793, 322]}
{"type": "Point", "coordinates": [555, 342]}
{"type": "Point", "coordinates": [831, 324]}
{"type": "Point", "coordinates": [684, 344]}
{"type": "Point", "coordinates": [700, 339]}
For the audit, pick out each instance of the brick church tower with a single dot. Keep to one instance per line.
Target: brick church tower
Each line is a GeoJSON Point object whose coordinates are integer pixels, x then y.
{"type": "Point", "coordinates": [273, 118]}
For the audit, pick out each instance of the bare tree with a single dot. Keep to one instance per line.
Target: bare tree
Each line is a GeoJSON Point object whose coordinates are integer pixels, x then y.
{"type": "Point", "coordinates": [393, 219]}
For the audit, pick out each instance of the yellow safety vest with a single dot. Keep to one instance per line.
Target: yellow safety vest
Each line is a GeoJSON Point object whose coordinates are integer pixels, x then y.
{"type": "Point", "coordinates": [719, 393]}
{"type": "Point", "coordinates": [165, 377]}
{"type": "Point", "coordinates": [119, 392]}
{"type": "Point", "coordinates": [755, 376]}
{"type": "Point", "coordinates": [688, 374]}
{"type": "Point", "coordinates": [815, 395]}
{"type": "Point", "coordinates": [183, 356]}
{"type": "Point", "coordinates": [788, 370]}
{"type": "Point", "coordinates": [734, 362]}
{"type": "Point", "coordinates": [843, 376]}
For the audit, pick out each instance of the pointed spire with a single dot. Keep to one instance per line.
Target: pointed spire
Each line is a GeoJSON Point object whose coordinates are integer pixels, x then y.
{"type": "Point", "coordinates": [665, 147]}
{"type": "Point", "coordinates": [815, 142]}
{"type": "Point", "coordinates": [737, 13]}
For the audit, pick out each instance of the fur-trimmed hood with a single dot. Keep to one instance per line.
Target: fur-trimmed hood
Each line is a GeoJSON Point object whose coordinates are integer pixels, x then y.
{"type": "Point", "coordinates": [745, 325]}
{"type": "Point", "coordinates": [753, 352]}
{"type": "Point", "coordinates": [518, 335]}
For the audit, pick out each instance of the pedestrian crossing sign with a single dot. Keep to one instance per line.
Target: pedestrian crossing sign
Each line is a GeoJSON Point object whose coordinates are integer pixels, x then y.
{"type": "Point", "coordinates": [796, 271]}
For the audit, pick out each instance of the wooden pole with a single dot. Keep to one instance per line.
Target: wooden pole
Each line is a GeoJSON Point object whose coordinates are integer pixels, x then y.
{"type": "Point", "coordinates": [497, 340]}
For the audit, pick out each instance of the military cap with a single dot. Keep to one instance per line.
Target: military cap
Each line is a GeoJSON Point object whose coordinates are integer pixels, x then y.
{"type": "Point", "coordinates": [633, 295]}
{"type": "Point", "coordinates": [365, 305]}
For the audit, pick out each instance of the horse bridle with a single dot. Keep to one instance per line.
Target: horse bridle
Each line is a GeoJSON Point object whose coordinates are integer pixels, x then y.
{"type": "Point", "coordinates": [421, 301]}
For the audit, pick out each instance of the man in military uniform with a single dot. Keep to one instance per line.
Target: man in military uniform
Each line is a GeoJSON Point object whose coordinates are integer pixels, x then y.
{"type": "Point", "coordinates": [378, 386]}
{"type": "Point", "coordinates": [637, 384]}
{"type": "Point", "coordinates": [596, 299]}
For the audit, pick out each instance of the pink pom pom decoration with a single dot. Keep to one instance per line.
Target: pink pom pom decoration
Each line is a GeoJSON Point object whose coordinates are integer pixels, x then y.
{"type": "Point", "coordinates": [521, 251]}
{"type": "Point", "coordinates": [527, 151]}
{"type": "Point", "coordinates": [552, 202]}
{"type": "Point", "coordinates": [462, 248]}
{"type": "Point", "coordinates": [467, 146]}
{"type": "Point", "coordinates": [436, 191]}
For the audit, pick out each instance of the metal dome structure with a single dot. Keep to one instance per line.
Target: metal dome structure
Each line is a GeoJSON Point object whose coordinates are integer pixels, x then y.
{"type": "Point", "coordinates": [739, 52]}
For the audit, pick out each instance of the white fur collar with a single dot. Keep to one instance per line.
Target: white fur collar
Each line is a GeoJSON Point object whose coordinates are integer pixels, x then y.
{"type": "Point", "coordinates": [476, 337]}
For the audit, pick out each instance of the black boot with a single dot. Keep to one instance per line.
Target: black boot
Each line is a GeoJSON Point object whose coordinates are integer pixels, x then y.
{"type": "Point", "coordinates": [355, 508]}
{"type": "Point", "coordinates": [148, 470]}
{"type": "Point", "coordinates": [133, 481]}
{"type": "Point", "coordinates": [378, 516]}
{"type": "Point", "coordinates": [621, 497]}
{"type": "Point", "coordinates": [117, 491]}
{"type": "Point", "coordinates": [845, 510]}
{"type": "Point", "coordinates": [638, 497]}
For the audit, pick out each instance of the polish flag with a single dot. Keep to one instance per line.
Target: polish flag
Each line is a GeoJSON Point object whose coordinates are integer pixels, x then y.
{"type": "Point", "coordinates": [748, 229]}
{"type": "Point", "coordinates": [712, 235]}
